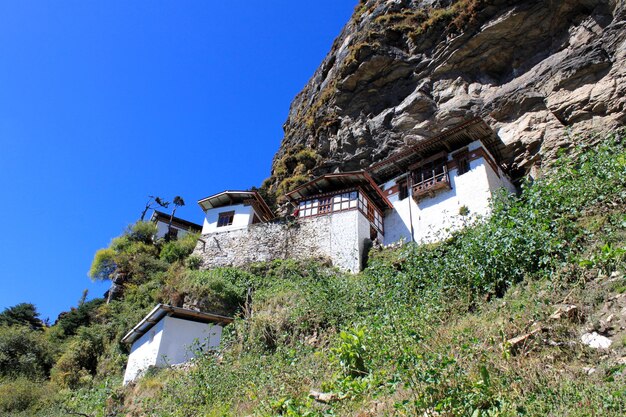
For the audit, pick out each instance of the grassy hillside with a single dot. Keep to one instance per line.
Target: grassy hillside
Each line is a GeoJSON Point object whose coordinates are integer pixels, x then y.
{"type": "Point", "coordinates": [424, 330]}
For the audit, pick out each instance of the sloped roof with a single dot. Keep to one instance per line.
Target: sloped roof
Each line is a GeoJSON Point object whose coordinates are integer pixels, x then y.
{"type": "Point", "coordinates": [341, 181]}
{"type": "Point", "coordinates": [450, 140]}
{"type": "Point", "coordinates": [176, 221]}
{"type": "Point", "coordinates": [230, 198]}
{"type": "Point", "coordinates": [163, 310]}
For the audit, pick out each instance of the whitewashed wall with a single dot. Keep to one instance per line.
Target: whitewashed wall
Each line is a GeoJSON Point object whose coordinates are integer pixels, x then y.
{"type": "Point", "coordinates": [181, 338]}
{"type": "Point", "coordinates": [169, 342]}
{"type": "Point", "coordinates": [433, 218]}
{"type": "Point", "coordinates": [243, 217]}
{"type": "Point", "coordinates": [144, 352]}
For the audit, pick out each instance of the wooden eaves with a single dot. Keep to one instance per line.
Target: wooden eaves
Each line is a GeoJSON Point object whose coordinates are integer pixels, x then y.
{"type": "Point", "coordinates": [454, 138]}
{"type": "Point", "coordinates": [229, 198]}
{"type": "Point", "coordinates": [176, 221]}
{"type": "Point", "coordinates": [339, 182]}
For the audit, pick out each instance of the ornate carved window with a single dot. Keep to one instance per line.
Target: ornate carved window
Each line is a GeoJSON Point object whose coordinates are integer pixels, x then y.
{"type": "Point", "coordinates": [325, 205]}
{"type": "Point", "coordinates": [430, 176]}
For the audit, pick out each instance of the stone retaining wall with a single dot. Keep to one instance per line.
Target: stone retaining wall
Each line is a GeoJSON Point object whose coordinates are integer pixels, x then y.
{"type": "Point", "coordinates": [338, 237]}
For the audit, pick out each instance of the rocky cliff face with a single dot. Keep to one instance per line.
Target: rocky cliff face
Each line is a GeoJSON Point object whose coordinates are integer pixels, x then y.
{"type": "Point", "coordinates": [404, 70]}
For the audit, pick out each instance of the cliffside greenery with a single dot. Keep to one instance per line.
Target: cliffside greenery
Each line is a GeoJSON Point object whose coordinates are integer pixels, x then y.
{"type": "Point", "coordinates": [423, 330]}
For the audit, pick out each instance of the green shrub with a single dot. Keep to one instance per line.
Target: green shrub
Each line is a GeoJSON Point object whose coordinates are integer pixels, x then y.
{"type": "Point", "coordinates": [179, 250]}
{"type": "Point", "coordinates": [193, 262]}
{"type": "Point", "coordinates": [23, 314]}
{"type": "Point", "coordinates": [69, 322]}
{"type": "Point", "coordinates": [291, 183]}
{"type": "Point", "coordinates": [607, 260]}
{"type": "Point", "coordinates": [133, 254]}
{"type": "Point", "coordinates": [144, 232]}
{"type": "Point", "coordinates": [352, 352]}
{"type": "Point", "coordinates": [21, 394]}
{"type": "Point", "coordinates": [79, 361]}
{"type": "Point", "coordinates": [24, 352]}
{"type": "Point", "coordinates": [103, 265]}
{"type": "Point", "coordinates": [307, 157]}
{"type": "Point", "coordinates": [221, 290]}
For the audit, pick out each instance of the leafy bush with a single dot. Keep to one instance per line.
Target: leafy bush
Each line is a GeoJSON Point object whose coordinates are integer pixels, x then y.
{"type": "Point", "coordinates": [144, 232]}
{"type": "Point", "coordinates": [23, 314]}
{"type": "Point", "coordinates": [103, 265]}
{"type": "Point", "coordinates": [221, 290]}
{"type": "Point", "coordinates": [21, 394]}
{"type": "Point", "coordinates": [23, 352]}
{"type": "Point", "coordinates": [352, 352]}
{"type": "Point", "coordinates": [193, 262]}
{"type": "Point", "coordinates": [69, 322]}
{"type": "Point", "coordinates": [79, 361]}
{"type": "Point", "coordinates": [179, 250]}
{"type": "Point", "coordinates": [307, 158]}
{"type": "Point", "coordinates": [133, 255]}
{"type": "Point", "coordinates": [291, 183]}
{"type": "Point", "coordinates": [607, 260]}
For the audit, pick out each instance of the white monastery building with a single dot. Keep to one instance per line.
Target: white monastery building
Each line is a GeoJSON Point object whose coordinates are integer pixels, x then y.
{"type": "Point", "coordinates": [169, 336]}
{"type": "Point", "coordinates": [419, 194]}
{"type": "Point", "coordinates": [436, 183]}
{"type": "Point", "coordinates": [230, 210]}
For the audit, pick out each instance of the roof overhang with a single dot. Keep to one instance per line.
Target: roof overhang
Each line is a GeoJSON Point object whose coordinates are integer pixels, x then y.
{"type": "Point", "coordinates": [338, 182]}
{"type": "Point", "coordinates": [230, 198]}
{"type": "Point", "coordinates": [164, 310]}
{"type": "Point", "coordinates": [176, 221]}
{"type": "Point", "coordinates": [450, 140]}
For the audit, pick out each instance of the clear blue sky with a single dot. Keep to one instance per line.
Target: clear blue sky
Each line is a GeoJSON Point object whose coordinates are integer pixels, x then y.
{"type": "Point", "coordinates": [103, 103]}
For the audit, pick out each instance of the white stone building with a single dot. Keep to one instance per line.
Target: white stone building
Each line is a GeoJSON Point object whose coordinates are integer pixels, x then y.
{"type": "Point", "coordinates": [435, 185]}
{"type": "Point", "coordinates": [179, 227]}
{"type": "Point", "coordinates": [169, 336]}
{"type": "Point", "coordinates": [419, 194]}
{"type": "Point", "coordinates": [231, 210]}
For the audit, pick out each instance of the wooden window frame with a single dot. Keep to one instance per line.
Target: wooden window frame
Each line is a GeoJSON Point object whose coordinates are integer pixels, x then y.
{"type": "Point", "coordinates": [318, 205]}
{"type": "Point", "coordinates": [172, 233]}
{"type": "Point", "coordinates": [230, 215]}
{"type": "Point", "coordinates": [462, 161]}
{"type": "Point", "coordinates": [403, 189]}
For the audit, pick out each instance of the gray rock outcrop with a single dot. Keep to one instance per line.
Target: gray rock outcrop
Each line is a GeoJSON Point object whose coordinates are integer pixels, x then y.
{"type": "Point", "coordinates": [402, 71]}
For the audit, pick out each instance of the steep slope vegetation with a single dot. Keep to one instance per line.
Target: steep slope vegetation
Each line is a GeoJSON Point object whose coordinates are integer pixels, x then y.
{"type": "Point", "coordinates": [460, 328]}
{"type": "Point", "coordinates": [403, 70]}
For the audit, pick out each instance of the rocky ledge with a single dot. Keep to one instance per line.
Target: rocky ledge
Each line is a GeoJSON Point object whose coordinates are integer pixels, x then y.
{"type": "Point", "coordinates": [402, 71]}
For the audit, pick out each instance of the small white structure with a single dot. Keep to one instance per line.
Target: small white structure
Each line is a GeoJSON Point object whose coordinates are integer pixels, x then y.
{"type": "Point", "coordinates": [355, 208]}
{"type": "Point", "coordinates": [231, 210]}
{"type": "Point", "coordinates": [169, 336]}
{"type": "Point", "coordinates": [178, 229]}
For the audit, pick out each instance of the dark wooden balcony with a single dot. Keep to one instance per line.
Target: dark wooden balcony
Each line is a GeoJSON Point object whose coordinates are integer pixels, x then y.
{"type": "Point", "coordinates": [429, 187]}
